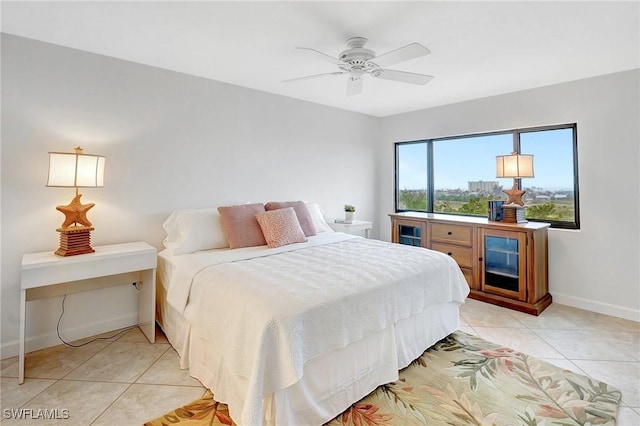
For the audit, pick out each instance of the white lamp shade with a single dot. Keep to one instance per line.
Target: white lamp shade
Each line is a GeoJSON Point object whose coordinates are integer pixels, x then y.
{"type": "Point", "coordinates": [514, 166]}
{"type": "Point", "coordinates": [75, 170]}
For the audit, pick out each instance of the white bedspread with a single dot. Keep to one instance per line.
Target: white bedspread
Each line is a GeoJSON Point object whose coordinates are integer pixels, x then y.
{"type": "Point", "coordinates": [269, 314]}
{"type": "Point", "coordinates": [182, 269]}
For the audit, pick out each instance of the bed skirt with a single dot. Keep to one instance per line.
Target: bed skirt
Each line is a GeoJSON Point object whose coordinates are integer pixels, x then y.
{"type": "Point", "coordinates": [330, 383]}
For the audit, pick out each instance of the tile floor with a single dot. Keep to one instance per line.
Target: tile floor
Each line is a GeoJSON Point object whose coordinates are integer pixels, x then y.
{"type": "Point", "coordinates": [126, 380]}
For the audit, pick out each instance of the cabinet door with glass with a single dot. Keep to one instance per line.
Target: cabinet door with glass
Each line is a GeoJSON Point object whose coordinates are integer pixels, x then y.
{"type": "Point", "coordinates": [409, 232]}
{"type": "Point", "coordinates": [503, 263]}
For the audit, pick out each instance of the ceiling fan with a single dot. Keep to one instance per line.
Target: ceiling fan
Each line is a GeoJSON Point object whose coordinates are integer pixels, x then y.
{"type": "Point", "coordinates": [357, 61]}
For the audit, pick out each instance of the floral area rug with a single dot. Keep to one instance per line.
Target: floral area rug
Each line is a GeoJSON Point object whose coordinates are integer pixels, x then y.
{"type": "Point", "coordinates": [461, 380]}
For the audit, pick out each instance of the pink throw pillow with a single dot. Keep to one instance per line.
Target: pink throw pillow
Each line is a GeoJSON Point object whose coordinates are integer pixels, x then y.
{"type": "Point", "coordinates": [281, 227]}
{"type": "Point", "coordinates": [304, 217]}
{"type": "Point", "coordinates": [240, 226]}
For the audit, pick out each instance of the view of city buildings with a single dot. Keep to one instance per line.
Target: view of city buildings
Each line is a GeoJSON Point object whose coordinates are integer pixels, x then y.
{"type": "Point", "coordinates": [543, 204]}
{"type": "Point", "coordinates": [534, 195]}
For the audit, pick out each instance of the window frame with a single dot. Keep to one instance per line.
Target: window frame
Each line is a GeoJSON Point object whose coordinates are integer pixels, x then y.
{"type": "Point", "coordinates": [575, 224]}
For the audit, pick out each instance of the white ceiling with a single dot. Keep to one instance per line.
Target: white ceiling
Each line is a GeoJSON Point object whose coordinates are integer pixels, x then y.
{"type": "Point", "coordinates": [478, 48]}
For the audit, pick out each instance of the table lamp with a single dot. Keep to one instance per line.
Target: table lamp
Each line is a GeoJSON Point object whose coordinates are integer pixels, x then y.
{"type": "Point", "coordinates": [75, 170]}
{"type": "Point", "coordinates": [516, 166]}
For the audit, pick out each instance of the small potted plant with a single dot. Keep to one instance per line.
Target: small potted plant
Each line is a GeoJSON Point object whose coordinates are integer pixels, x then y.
{"type": "Point", "coordinates": [349, 211]}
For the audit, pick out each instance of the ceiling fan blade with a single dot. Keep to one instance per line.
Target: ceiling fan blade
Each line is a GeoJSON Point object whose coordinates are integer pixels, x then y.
{"type": "Point", "coordinates": [410, 51]}
{"type": "Point", "coordinates": [354, 86]}
{"type": "Point", "coordinates": [403, 76]}
{"type": "Point", "coordinates": [323, 56]}
{"type": "Point", "coordinates": [308, 77]}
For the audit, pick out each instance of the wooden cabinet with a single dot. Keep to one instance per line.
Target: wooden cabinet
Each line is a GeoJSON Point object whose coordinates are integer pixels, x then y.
{"type": "Point", "coordinates": [504, 263]}
{"type": "Point", "coordinates": [409, 232]}
{"type": "Point", "coordinates": [456, 240]}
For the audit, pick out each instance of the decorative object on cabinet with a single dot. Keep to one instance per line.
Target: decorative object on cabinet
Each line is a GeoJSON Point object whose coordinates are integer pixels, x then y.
{"type": "Point", "coordinates": [504, 263]}
{"type": "Point", "coordinates": [75, 170]}
{"type": "Point", "coordinates": [516, 166]}
{"type": "Point", "coordinates": [513, 214]}
{"type": "Point", "coordinates": [349, 212]}
{"type": "Point", "coordinates": [495, 212]}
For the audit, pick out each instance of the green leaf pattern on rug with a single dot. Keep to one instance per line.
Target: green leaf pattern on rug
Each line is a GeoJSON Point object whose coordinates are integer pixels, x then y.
{"type": "Point", "coordinates": [400, 398]}
{"type": "Point", "coordinates": [555, 396]}
{"type": "Point", "coordinates": [461, 407]}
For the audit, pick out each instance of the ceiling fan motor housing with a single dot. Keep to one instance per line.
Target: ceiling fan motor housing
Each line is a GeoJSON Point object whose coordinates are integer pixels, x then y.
{"type": "Point", "coordinates": [357, 54]}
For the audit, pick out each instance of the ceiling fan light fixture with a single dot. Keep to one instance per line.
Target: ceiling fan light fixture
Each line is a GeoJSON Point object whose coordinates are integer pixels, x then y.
{"type": "Point", "coordinates": [357, 72]}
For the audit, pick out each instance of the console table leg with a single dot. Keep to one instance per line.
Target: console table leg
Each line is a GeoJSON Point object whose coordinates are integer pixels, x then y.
{"type": "Point", "coordinates": [23, 320]}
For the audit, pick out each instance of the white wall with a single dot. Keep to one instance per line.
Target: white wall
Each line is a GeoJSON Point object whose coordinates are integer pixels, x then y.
{"type": "Point", "coordinates": [596, 267]}
{"type": "Point", "coordinates": [176, 141]}
{"type": "Point", "coordinates": [171, 141]}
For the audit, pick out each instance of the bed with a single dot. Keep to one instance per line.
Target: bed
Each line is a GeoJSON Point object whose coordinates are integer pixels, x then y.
{"type": "Point", "coordinates": [292, 335]}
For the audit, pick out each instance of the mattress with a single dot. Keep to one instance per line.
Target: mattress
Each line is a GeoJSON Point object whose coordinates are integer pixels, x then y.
{"type": "Point", "coordinates": [324, 347]}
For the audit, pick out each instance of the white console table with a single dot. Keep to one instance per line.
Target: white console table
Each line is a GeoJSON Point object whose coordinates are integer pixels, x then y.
{"type": "Point", "coordinates": [48, 275]}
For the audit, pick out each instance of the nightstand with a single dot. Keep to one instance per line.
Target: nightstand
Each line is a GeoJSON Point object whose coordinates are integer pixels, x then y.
{"type": "Point", "coordinates": [47, 275]}
{"type": "Point", "coordinates": [355, 228]}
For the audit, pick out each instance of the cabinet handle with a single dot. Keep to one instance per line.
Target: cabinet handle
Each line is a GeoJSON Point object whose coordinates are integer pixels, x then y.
{"type": "Point", "coordinates": [479, 259]}
{"type": "Point", "coordinates": [449, 253]}
{"type": "Point", "coordinates": [449, 233]}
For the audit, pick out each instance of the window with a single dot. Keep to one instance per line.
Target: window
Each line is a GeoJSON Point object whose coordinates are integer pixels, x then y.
{"type": "Point", "coordinates": [552, 195]}
{"type": "Point", "coordinates": [464, 171]}
{"type": "Point", "coordinates": [456, 175]}
{"type": "Point", "coordinates": [411, 172]}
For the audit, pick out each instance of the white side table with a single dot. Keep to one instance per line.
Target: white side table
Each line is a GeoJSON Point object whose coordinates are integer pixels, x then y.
{"type": "Point", "coordinates": [47, 275]}
{"type": "Point", "coordinates": [355, 227]}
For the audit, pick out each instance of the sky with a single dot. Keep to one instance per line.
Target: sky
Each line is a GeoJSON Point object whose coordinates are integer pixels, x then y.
{"type": "Point", "coordinates": [456, 162]}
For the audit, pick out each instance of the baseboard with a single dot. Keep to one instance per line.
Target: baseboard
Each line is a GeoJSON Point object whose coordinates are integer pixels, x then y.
{"type": "Point", "coordinates": [34, 343]}
{"type": "Point", "coordinates": [599, 307]}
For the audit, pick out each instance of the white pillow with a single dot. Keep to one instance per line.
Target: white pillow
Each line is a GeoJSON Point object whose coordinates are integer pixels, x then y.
{"type": "Point", "coordinates": [318, 219]}
{"type": "Point", "coordinates": [189, 231]}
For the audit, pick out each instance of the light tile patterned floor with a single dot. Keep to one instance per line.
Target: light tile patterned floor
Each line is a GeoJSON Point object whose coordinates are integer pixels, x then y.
{"type": "Point", "coordinates": [126, 381]}
{"type": "Point", "coordinates": [603, 347]}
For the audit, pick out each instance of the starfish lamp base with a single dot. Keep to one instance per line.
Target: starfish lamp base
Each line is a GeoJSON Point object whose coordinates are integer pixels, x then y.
{"type": "Point", "coordinates": [513, 213]}
{"type": "Point", "coordinates": [75, 240]}
{"type": "Point", "coordinates": [515, 194]}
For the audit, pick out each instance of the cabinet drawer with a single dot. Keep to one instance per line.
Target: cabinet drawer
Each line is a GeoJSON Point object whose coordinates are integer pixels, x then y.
{"type": "Point", "coordinates": [462, 255]}
{"type": "Point", "coordinates": [468, 275]}
{"type": "Point", "coordinates": [458, 234]}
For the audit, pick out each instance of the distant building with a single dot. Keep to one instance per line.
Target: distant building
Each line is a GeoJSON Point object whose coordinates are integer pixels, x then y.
{"type": "Point", "coordinates": [487, 187]}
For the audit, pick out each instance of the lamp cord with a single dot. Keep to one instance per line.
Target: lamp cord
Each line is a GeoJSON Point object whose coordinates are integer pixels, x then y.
{"type": "Point", "coordinates": [90, 341]}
